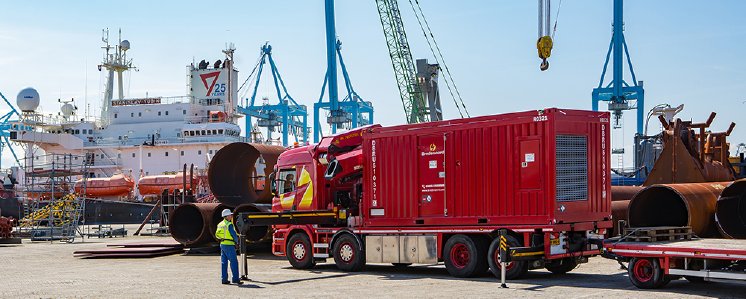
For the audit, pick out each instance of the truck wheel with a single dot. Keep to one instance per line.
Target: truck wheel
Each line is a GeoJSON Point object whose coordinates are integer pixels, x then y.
{"type": "Point", "coordinates": [562, 266]}
{"type": "Point", "coordinates": [299, 251]}
{"type": "Point", "coordinates": [347, 254]}
{"type": "Point", "coordinates": [464, 257]}
{"type": "Point", "coordinates": [645, 273]}
{"type": "Point", "coordinates": [515, 269]}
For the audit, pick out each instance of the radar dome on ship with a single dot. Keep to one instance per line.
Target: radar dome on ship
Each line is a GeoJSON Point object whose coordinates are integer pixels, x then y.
{"type": "Point", "coordinates": [124, 45]}
{"type": "Point", "coordinates": [67, 110]}
{"type": "Point", "coordinates": [28, 99]}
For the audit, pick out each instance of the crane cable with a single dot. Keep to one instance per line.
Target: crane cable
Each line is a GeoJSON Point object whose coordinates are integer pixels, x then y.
{"type": "Point", "coordinates": [441, 60]}
{"type": "Point", "coordinates": [556, 18]}
{"type": "Point", "coordinates": [258, 61]}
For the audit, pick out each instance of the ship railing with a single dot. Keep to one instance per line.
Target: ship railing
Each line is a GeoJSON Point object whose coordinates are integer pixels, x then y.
{"type": "Point", "coordinates": [196, 119]}
{"type": "Point", "coordinates": [176, 99]}
{"type": "Point", "coordinates": [163, 141]}
{"type": "Point", "coordinates": [152, 101]}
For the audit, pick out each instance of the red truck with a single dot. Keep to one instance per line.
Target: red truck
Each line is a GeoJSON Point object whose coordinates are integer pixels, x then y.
{"type": "Point", "coordinates": [440, 191]}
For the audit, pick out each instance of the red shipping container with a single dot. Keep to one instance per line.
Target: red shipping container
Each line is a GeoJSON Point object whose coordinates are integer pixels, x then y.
{"type": "Point", "coordinates": [548, 167]}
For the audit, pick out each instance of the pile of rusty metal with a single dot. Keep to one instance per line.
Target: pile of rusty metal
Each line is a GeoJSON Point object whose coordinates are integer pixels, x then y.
{"type": "Point", "coordinates": [6, 227]}
{"type": "Point", "coordinates": [691, 184]}
{"type": "Point", "coordinates": [6, 231]}
{"type": "Point", "coordinates": [194, 224]}
{"type": "Point", "coordinates": [691, 154]}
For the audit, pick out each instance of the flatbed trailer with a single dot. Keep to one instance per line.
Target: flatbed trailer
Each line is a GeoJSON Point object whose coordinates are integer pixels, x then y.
{"type": "Point", "coordinates": [654, 264]}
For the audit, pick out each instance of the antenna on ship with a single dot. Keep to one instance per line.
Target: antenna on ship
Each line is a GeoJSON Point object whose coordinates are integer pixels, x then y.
{"type": "Point", "coordinates": [230, 105]}
{"type": "Point", "coordinates": [114, 62]}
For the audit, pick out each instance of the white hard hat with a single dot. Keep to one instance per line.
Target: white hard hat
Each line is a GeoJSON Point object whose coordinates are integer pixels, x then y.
{"type": "Point", "coordinates": [226, 212]}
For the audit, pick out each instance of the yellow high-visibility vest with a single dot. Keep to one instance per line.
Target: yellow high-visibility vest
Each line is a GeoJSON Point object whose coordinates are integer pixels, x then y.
{"type": "Point", "coordinates": [223, 234]}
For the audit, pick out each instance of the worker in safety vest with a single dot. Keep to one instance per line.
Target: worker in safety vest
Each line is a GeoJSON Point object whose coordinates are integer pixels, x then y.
{"type": "Point", "coordinates": [227, 236]}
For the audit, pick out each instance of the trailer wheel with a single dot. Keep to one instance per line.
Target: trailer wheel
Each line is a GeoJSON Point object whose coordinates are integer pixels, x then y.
{"type": "Point", "coordinates": [646, 273]}
{"type": "Point", "coordinates": [562, 266]}
{"type": "Point", "coordinates": [347, 254]}
{"type": "Point", "coordinates": [515, 269]}
{"type": "Point", "coordinates": [464, 257]}
{"type": "Point", "coordinates": [299, 252]}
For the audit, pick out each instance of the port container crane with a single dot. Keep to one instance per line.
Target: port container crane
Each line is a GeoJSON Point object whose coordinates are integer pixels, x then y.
{"type": "Point", "coordinates": [620, 94]}
{"type": "Point", "coordinates": [287, 114]}
{"type": "Point", "coordinates": [349, 112]}
{"type": "Point", "coordinates": [5, 126]}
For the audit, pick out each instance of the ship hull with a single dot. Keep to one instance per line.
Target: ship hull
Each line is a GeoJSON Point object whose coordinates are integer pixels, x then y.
{"type": "Point", "coordinates": [97, 212]}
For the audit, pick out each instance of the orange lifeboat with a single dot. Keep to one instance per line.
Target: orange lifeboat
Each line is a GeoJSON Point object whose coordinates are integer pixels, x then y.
{"type": "Point", "coordinates": [117, 185]}
{"type": "Point", "coordinates": [155, 184]}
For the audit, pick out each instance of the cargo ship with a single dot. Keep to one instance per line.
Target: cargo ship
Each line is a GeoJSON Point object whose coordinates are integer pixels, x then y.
{"type": "Point", "coordinates": [136, 147]}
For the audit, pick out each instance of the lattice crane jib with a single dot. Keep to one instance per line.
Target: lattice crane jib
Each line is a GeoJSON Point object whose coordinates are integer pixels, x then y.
{"type": "Point", "coordinates": [402, 62]}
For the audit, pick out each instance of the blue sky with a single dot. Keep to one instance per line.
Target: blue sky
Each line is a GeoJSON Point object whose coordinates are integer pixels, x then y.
{"type": "Point", "coordinates": [685, 51]}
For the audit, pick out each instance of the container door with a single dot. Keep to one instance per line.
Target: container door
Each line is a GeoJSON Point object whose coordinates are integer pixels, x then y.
{"type": "Point", "coordinates": [432, 175]}
{"type": "Point", "coordinates": [530, 151]}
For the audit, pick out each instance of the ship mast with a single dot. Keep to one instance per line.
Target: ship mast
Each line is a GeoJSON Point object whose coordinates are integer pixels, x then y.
{"type": "Point", "coordinates": [230, 106]}
{"type": "Point", "coordinates": [113, 62]}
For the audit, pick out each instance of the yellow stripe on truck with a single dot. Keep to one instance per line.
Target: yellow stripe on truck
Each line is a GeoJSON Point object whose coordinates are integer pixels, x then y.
{"type": "Point", "coordinates": [307, 199]}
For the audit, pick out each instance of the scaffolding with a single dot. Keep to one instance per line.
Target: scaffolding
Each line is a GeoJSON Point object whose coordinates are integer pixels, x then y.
{"type": "Point", "coordinates": [54, 211]}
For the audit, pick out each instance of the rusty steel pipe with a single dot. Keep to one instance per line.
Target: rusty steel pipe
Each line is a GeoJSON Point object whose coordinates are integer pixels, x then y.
{"type": "Point", "coordinates": [620, 198]}
{"type": "Point", "coordinates": [730, 211]}
{"type": "Point", "coordinates": [254, 233]}
{"type": "Point", "coordinates": [624, 192]}
{"type": "Point", "coordinates": [193, 224]}
{"type": "Point", "coordinates": [689, 204]}
{"type": "Point", "coordinates": [238, 173]}
{"type": "Point", "coordinates": [619, 211]}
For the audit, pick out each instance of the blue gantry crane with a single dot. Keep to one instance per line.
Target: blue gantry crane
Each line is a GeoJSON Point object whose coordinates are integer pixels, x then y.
{"type": "Point", "coordinates": [620, 94]}
{"type": "Point", "coordinates": [287, 115]}
{"type": "Point", "coordinates": [6, 122]}
{"type": "Point", "coordinates": [351, 111]}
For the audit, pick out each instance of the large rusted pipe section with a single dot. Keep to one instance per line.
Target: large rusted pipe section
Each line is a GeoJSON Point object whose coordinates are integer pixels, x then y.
{"type": "Point", "coordinates": [620, 198]}
{"type": "Point", "coordinates": [238, 178]}
{"type": "Point", "coordinates": [619, 211]}
{"type": "Point", "coordinates": [238, 173]}
{"type": "Point", "coordinates": [624, 192]}
{"type": "Point", "coordinates": [194, 224]}
{"type": "Point", "coordinates": [254, 233]}
{"type": "Point", "coordinates": [730, 211]}
{"type": "Point", "coordinates": [691, 204]}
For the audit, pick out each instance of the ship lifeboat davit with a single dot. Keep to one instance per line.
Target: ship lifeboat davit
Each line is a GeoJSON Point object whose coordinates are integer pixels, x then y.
{"type": "Point", "coordinates": [116, 185]}
{"type": "Point", "coordinates": [238, 171]}
{"type": "Point", "coordinates": [155, 184]}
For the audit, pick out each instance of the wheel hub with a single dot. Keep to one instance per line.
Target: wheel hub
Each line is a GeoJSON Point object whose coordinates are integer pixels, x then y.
{"type": "Point", "coordinates": [643, 270]}
{"type": "Point", "coordinates": [346, 252]}
{"type": "Point", "coordinates": [299, 251]}
{"type": "Point", "coordinates": [508, 265]}
{"type": "Point", "coordinates": [460, 256]}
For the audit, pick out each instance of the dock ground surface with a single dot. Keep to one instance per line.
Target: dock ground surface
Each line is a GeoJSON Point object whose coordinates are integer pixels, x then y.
{"type": "Point", "coordinates": [44, 269]}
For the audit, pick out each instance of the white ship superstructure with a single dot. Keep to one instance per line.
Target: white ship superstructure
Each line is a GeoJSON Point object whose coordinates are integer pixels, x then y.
{"type": "Point", "coordinates": [140, 136]}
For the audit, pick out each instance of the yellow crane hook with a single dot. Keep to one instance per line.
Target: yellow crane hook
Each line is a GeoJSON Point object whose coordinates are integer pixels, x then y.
{"type": "Point", "coordinates": [544, 46]}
